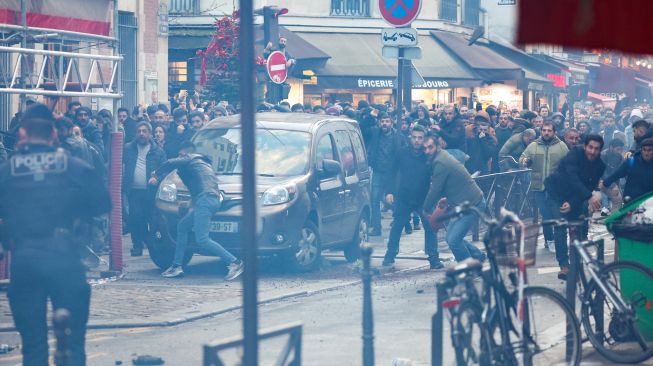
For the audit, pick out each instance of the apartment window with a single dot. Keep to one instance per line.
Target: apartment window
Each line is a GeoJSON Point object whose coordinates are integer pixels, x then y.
{"type": "Point", "coordinates": [178, 71]}
{"type": "Point", "coordinates": [350, 8]}
{"type": "Point", "coordinates": [448, 10]}
{"type": "Point", "coordinates": [472, 12]}
{"type": "Point", "coordinates": [184, 7]}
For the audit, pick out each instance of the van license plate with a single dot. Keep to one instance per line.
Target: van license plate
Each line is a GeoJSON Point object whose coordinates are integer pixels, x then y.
{"type": "Point", "coordinates": [224, 227]}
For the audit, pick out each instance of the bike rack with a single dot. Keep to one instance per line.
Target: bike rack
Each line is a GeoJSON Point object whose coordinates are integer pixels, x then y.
{"type": "Point", "coordinates": [293, 346]}
{"type": "Point", "coordinates": [572, 280]}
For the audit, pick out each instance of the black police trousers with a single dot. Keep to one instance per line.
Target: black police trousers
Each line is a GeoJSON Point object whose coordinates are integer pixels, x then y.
{"type": "Point", "coordinates": [36, 275]}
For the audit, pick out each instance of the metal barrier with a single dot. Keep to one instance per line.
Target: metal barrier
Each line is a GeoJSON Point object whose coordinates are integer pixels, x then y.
{"type": "Point", "coordinates": [291, 355]}
{"type": "Point", "coordinates": [509, 189]}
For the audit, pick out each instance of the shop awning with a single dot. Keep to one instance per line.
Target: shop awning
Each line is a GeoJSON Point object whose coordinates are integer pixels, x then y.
{"type": "Point", "coordinates": [612, 80]}
{"type": "Point", "coordinates": [484, 62]}
{"type": "Point", "coordinates": [356, 62]}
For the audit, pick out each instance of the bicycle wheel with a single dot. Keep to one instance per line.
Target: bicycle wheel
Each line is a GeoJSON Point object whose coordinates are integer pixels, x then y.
{"type": "Point", "coordinates": [621, 336]}
{"type": "Point", "coordinates": [549, 329]}
{"type": "Point", "coordinates": [466, 335]}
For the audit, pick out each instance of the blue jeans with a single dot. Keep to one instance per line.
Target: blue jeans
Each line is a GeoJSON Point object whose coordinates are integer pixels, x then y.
{"type": "Point", "coordinates": [199, 220]}
{"type": "Point", "coordinates": [378, 193]}
{"type": "Point", "coordinates": [456, 231]}
{"type": "Point", "coordinates": [545, 212]}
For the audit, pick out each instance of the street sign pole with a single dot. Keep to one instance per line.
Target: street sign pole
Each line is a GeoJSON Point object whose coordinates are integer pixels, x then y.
{"type": "Point", "coordinates": [248, 137]}
{"type": "Point", "coordinates": [408, 85]}
{"type": "Point", "coordinates": [400, 83]}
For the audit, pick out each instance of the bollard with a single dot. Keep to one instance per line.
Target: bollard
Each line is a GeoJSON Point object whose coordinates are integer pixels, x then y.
{"type": "Point", "coordinates": [368, 318]}
{"type": "Point", "coordinates": [61, 322]}
{"type": "Point", "coordinates": [437, 326]}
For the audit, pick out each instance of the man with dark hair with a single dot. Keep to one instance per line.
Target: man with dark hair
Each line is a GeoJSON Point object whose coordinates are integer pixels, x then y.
{"type": "Point", "coordinates": [128, 124]}
{"type": "Point", "coordinates": [196, 172]}
{"type": "Point", "coordinates": [178, 132]}
{"type": "Point", "coordinates": [45, 196]}
{"type": "Point", "coordinates": [571, 188]}
{"type": "Point", "coordinates": [612, 157]}
{"type": "Point", "coordinates": [196, 121]}
{"type": "Point", "coordinates": [72, 108]}
{"type": "Point", "coordinates": [89, 131]}
{"type": "Point", "coordinates": [406, 188]}
{"type": "Point", "coordinates": [450, 180]}
{"type": "Point", "coordinates": [638, 171]}
{"type": "Point", "coordinates": [383, 145]}
{"type": "Point", "coordinates": [141, 157]}
{"type": "Point", "coordinates": [297, 108]}
{"type": "Point", "coordinates": [641, 131]}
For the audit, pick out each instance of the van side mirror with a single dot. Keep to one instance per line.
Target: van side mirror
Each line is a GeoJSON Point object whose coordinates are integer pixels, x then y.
{"type": "Point", "coordinates": [330, 168]}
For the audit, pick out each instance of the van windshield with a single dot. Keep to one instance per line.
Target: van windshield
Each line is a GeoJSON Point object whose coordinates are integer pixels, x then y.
{"type": "Point", "coordinates": [278, 152]}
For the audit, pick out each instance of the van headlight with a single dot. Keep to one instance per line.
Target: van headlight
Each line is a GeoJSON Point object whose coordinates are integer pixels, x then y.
{"type": "Point", "coordinates": [278, 195]}
{"type": "Point", "coordinates": [168, 192]}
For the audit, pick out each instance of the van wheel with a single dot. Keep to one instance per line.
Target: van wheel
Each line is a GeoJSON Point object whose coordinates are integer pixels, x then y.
{"type": "Point", "coordinates": [353, 250]}
{"type": "Point", "coordinates": [305, 256]}
{"type": "Point", "coordinates": [162, 252]}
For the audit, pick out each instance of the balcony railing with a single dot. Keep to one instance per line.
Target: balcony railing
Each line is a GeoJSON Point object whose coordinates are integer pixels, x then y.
{"type": "Point", "coordinates": [184, 7]}
{"type": "Point", "coordinates": [350, 8]}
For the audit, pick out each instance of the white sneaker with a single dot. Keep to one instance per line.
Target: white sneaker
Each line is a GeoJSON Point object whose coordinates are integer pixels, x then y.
{"type": "Point", "coordinates": [235, 270]}
{"type": "Point", "coordinates": [550, 245]}
{"type": "Point", "coordinates": [605, 211]}
{"type": "Point", "coordinates": [173, 271]}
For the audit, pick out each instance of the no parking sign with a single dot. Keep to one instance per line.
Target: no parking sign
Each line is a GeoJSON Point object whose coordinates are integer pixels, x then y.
{"type": "Point", "coordinates": [399, 13]}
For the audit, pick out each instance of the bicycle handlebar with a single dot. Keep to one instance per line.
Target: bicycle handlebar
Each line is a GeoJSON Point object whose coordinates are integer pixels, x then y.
{"type": "Point", "coordinates": [563, 222]}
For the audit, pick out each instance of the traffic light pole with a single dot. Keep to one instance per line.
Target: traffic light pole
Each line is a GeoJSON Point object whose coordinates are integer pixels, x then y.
{"type": "Point", "coordinates": [248, 233]}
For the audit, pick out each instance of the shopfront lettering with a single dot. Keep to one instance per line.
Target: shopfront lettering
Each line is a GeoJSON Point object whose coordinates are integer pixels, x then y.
{"type": "Point", "coordinates": [433, 84]}
{"type": "Point", "coordinates": [376, 83]}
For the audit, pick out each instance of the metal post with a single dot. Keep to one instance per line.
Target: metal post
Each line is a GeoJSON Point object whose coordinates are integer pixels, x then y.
{"type": "Point", "coordinates": [437, 327]}
{"type": "Point", "coordinates": [400, 83]}
{"type": "Point", "coordinates": [23, 45]}
{"type": "Point", "coordinates": [408, 85]}
{"type": "Point", "coordinates": [61, 322]}
{"type": "Point", "coordinates": [571, 292]}
{"type": "Point", "coordinates": [368, 317]}
{"type": "Point", "coordinates": [248, 236]}
{"type": "Point", "coordinates": [598, 317]}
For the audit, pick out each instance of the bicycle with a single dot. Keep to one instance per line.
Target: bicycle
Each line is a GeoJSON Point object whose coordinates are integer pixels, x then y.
{"type": "Point", "coordinates": [493, 325]}
{"type": "Point", "coordinates": [618, 294]}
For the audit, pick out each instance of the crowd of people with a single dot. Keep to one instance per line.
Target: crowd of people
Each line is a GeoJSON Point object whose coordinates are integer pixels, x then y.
{"type": "Point", "coordinates": [590, 162]}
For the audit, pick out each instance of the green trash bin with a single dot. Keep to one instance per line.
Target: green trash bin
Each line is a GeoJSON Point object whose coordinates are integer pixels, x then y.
{"type": "Point", "coordinates": [632, 227]}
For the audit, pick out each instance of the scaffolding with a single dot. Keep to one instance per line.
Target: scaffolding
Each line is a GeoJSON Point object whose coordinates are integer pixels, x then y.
{"type": "Point", "coordinates": [55, 64]}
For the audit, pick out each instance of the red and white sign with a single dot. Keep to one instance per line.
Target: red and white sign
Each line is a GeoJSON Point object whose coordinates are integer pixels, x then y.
{"type": "Point", "coordinates": [277, 67]}
{"type": "Point", "coordinates": [84, 16]}
{"type": "Point", "coordinates": [400, 12]}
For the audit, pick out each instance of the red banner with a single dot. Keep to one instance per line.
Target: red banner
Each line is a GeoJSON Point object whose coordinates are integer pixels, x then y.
{"type": "Point", "coordinates": [84, 16]}
{"type": "Point", "coordinates": [608, 24]}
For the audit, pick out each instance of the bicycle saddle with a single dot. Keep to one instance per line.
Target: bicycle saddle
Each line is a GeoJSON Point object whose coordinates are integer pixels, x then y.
{"type": "Point", "coordinates": [468, 265]}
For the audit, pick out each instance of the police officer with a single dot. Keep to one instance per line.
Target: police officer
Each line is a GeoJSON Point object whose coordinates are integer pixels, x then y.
{"type": "Point", "coordinates": [44, 194]}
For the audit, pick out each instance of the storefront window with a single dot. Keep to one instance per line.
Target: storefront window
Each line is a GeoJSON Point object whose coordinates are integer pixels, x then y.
{"type": "Point", "coordinates": [313, 99]}
{"type": "Point", "coordinates": [178, 71]}
{"type": "Point", "coordinates": [381, 98]}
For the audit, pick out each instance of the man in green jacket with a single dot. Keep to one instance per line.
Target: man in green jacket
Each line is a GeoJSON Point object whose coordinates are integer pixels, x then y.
{"type": "Point", "coordinates": [543, 156]}
{"type": "Point", "coordinates": [514, 147]}
{"type": "Point", "coordinates": [450, 180]}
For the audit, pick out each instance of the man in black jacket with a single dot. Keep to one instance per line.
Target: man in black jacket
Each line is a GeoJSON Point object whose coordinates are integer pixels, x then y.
{"type": "Point", "coordinates": [411, 164]}
{"type": "Point", "coordinates": [89, 131]}
{"type": "Point", "coordinates": [128, 124]}
{"type": "Point", "coordinates": [384, 142]}
{"type": "Point", "coordinates": [452, 130]}
{"type": "Point", "coordinates": [575, 182]}
{"type": "Point", "coordinates": [141, 157]}
{"type": "Point", "coordinates": [638, 171]}
{"type": "Point", "coordinates": [178, 132]}
{"type": "Point", "coordinates": [196, 173]}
